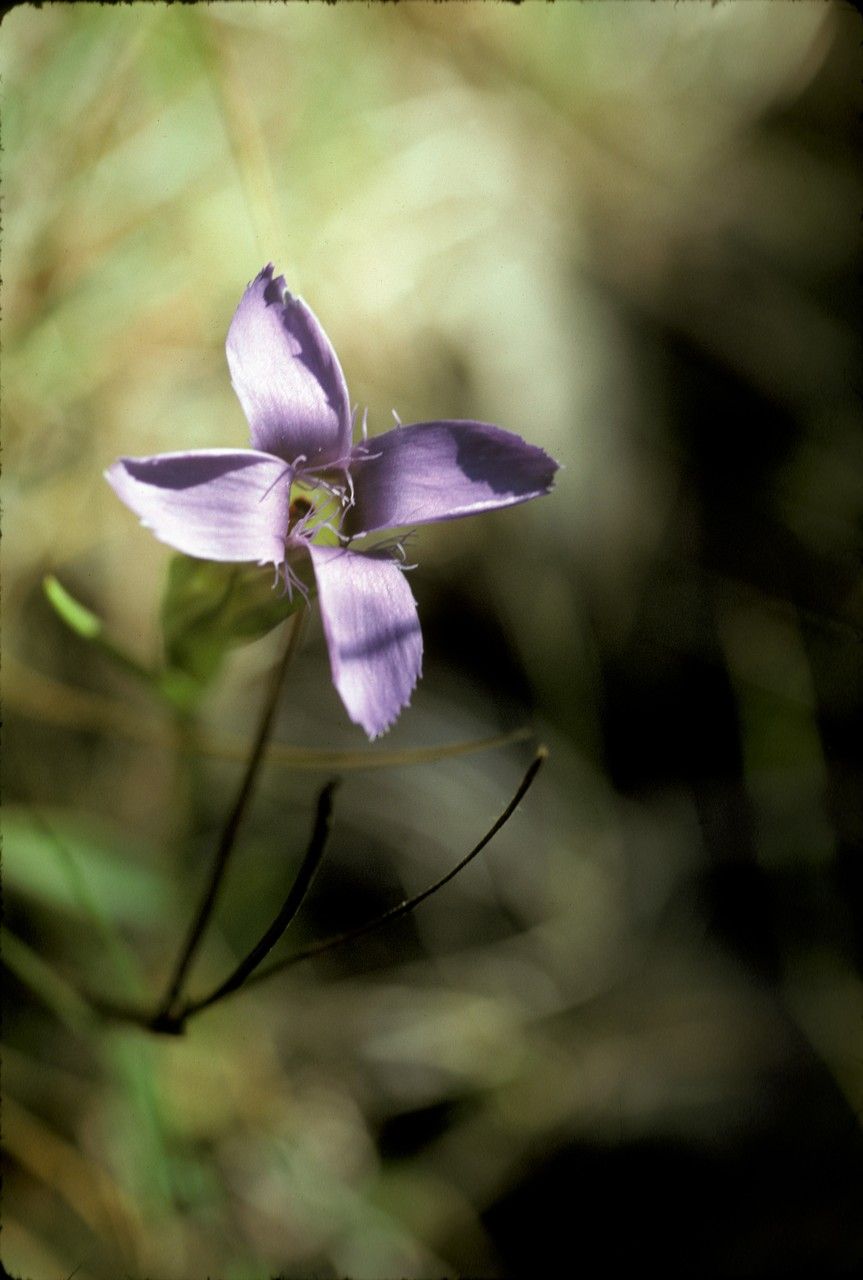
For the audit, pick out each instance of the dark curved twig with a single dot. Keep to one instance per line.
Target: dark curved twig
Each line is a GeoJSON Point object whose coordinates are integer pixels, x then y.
{"type": "Point", "coordinates": [292, 904]}
{"type": "Point", "coordinates": [402, 908]}
{"type": "Point", "coordinates": [173, 1022]}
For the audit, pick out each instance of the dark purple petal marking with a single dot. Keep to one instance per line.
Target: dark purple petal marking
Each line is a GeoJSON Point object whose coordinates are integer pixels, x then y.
{"type": "Point", "coordinates": [440, 470]}
{"type": "Point", "coordinates": [373, 634]}
{"type": "Point", "coordinates": [287, 375]}
{"type": "Point", "coordinates": [218, 504]}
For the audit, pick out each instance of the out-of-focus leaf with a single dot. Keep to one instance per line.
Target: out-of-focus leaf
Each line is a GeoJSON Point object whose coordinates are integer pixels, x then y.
{"type": "Point", "coordinates": [89, 626]}
{"type": "Point", "coordinates": [76, 616]}
{"type": "Point", "coordinates": [124, 891]}
{"type": "Point", "coordinates": [91, 1192]}
{"type": "Point", "coordinates": [52, 702]}
{"type": "Point", "coordinates": [51, 987]}
{"type": "Point", "coordinates": [208, 609]}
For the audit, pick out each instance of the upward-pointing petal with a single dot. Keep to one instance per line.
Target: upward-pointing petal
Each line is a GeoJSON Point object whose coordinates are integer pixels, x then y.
{"type": "Point", "coordinates": [219, 504]}
{"type": "Point", "coordinates": [440, 470]}
{"type": "Point", "coordinates": [287, 375]}
{"type": "Point", "coordinates": [373, 634]}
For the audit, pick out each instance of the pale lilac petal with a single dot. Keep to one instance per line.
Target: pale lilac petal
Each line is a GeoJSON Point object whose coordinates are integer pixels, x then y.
{"type": "Point", "coordinates": [439, 470]}
{"type": "Point", "coordinates": [218, 504]}
{"type": "Point", "coordinates": [287, 375]}
{"type": "Point", "coordinates": [373, 634]}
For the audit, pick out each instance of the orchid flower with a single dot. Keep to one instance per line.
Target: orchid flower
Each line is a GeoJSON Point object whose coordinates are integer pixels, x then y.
{"type": "Point", "coordinates": [264, 504]}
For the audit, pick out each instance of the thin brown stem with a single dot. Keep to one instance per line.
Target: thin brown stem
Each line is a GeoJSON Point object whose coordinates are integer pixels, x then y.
{"type": "Point", "coordinates": [230, 830]}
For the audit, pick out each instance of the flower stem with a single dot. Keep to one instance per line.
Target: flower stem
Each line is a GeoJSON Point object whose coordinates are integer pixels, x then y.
{"type": "Point", "coordinates": [231, 828]}
{"type": "Point", "coordinates": [172, 1020]}
{"type": "Point", "coordinates": [292, 904]}
{"type": "Point", "coordinates": [402, 908]}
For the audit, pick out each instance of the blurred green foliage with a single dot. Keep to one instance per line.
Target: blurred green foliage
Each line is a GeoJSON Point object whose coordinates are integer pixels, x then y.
{"type": "Point", "coordinates": [632, 1030]}
{"type": "Point", "coordinates": [208, 609]}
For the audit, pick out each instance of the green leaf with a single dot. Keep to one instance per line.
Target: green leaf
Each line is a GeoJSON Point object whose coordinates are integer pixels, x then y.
{"type": "Point", "coordinates": [89, 626]}
{"type": "Point", "coordinates": [120, 889]}
{"type": "Point", "coordinates": [76, 616]}
{"type": "Point", "coordinates": [207, 610]}
{"type": "Point", "coordinates": [49, 985]}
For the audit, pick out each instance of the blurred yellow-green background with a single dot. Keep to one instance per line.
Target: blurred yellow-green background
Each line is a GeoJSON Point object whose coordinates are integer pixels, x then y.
{"type": "Point", "coordinates": [632, 1032]}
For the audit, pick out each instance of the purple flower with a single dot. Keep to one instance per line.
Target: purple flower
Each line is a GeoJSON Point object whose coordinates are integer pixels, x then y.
{"type": "Point", "coordinates": [245, 504]}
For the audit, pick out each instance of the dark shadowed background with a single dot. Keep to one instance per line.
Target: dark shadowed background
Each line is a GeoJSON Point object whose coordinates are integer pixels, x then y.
{"type": "Point", "coordinates": [632, 1032]}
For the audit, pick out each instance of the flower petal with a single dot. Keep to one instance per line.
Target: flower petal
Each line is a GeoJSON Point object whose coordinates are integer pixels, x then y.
{"type": "Point", "coordinates": [219, 504]}
{"type": "Point", "coordinates": [287, 375]}
{"type": "Point", "coordinates": [373, 634]}
{"type": "Point", "coordinates": [439, 470]}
